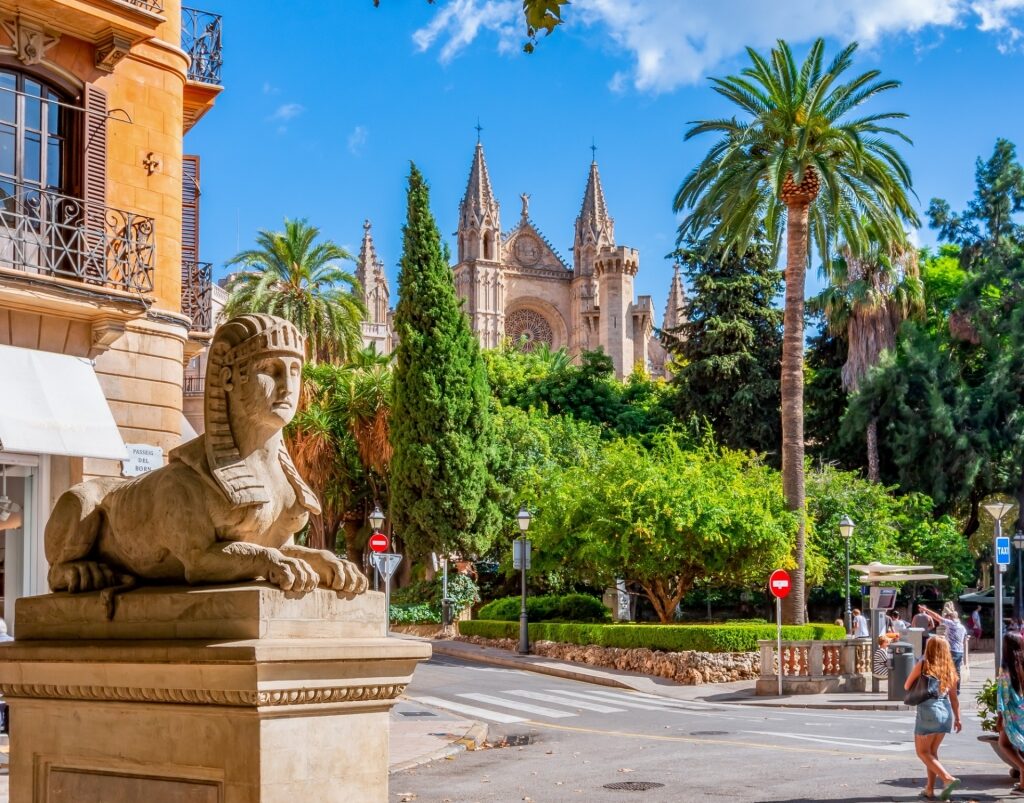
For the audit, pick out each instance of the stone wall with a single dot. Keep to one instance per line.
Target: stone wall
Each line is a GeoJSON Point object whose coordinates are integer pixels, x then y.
{"type": "Point", "coordinates": [690, 668]}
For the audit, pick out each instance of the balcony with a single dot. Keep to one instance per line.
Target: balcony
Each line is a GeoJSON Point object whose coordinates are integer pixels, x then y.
{"type": "Point", "coordinates": [201, 39]}
{"type": "Point", "coordinates": [197, 295]}
{"type": "Point", "coordinates": [195, 385]}
{"type": "Point", "coordinates": [49, 234]}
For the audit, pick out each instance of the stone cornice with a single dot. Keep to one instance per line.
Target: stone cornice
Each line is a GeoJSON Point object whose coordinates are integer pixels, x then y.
{"type": "Point", "coordinates": [249, 698]}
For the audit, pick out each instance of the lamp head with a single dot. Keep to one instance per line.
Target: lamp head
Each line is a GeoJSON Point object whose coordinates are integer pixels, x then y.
{"type": "Point", "coordinates": [523, 518]}
{"type": "Point", "coordinates": [846, 527]}
{"type": "Point", "coordinates": [998, 508]}
{"type": "Point", "coordinates": [376, 518]}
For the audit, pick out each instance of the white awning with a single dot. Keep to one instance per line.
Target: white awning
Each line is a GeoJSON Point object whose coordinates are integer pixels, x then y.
{"type": "Point", "coordinates": [53, 404]}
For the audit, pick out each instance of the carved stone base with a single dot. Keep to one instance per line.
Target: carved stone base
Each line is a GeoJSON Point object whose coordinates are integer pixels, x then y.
{"type": "Point", "coordinates": [279, 699]}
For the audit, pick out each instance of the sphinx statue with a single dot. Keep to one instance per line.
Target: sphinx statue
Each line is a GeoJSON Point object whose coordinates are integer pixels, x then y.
{"type": "Point", "coordinates": [227, 505]}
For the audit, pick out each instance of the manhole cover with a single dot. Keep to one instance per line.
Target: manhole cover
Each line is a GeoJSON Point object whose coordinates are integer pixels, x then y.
{"type": "Point", "coordinates": [709, 733]}
{"type": "Point", "coordinates": [633, 786]}
{"type": "Point", "coordinates": [417, 713]}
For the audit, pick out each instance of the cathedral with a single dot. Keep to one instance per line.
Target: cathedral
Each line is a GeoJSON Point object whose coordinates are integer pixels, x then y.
{"type": "Point", "coordinates": [517, 288]}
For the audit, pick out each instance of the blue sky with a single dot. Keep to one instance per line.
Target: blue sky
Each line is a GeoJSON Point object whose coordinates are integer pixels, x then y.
{"type": "Point", "coordinates": [326, 103]}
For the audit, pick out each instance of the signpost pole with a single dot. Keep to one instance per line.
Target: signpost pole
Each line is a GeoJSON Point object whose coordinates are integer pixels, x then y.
{"type": "Point", "coordinates": [997, 627]}
{"type": "Point", "coordinates": [778, 637]}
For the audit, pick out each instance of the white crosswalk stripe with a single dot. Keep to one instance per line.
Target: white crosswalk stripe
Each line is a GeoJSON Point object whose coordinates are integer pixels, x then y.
{"type": "Point", "coordinates": [628, 703]}
{"type": "Point", "coordinates": [559, 698]}
{"type": "Point", "coordinates": [472, 710]}
{"type": "Point", "coordinates": [517, 705]}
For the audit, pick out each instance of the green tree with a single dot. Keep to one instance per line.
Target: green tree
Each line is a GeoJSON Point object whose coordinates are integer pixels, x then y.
{"type": "Point", "coordinates": [729, 348]}
{"type": "Point", "coordinates": [441, 429]}
{"type": "Point", "coordinates": [291, 275]}
{"type": "Point", "coordinates": [824, 397]}
{"type": "Point", "coordinates": [664, 517]}
{"type": "Point", "coordinates": [870, 293]}
{"type": "Point", "coordinates": [802, 161]}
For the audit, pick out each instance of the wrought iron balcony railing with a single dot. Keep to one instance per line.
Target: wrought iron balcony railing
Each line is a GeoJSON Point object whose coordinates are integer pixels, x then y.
{"type": "Point", "coordinates": [195, 385]}
{"type": "Point", "coordinates": [200, 38]}
{"type": "Point", "coordinates": [44, 232]}
{"type": "Point", "coordinates": [197, 294]}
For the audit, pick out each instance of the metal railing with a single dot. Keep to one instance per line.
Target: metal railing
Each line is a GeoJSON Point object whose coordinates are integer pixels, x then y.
{"type": "Point", "coordinates": [195, 385]}
{"type": "Point", "coordinates": [47, 233]}
{"type": "Point", "coordinates": [201, 39]}
{"type": "Point", "coordinates": [197, 294]}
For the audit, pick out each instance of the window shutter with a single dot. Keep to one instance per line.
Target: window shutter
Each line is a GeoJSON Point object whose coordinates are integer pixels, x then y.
{"type": "Point", "coordinates": [189, 209]}
{"type": "Point", "coordinates": [94, 181]}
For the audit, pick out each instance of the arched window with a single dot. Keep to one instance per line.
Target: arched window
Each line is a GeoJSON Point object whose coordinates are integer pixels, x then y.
{"type": "Point", "coordinates": [487, 245]}
{"type": "Point", "coordinates": [33, 140]}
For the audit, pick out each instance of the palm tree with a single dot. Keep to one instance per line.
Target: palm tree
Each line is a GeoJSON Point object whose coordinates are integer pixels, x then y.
{"type": "Point", "coordinates": [291, 275]}
{"type": "Point", "coordinates": [800, 161]}
{"type": "Point", "coordinates": [870, 294]}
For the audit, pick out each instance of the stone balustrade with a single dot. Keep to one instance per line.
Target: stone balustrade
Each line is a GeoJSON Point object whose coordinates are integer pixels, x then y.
{"type": "Point", "coordinates": [813, 667]}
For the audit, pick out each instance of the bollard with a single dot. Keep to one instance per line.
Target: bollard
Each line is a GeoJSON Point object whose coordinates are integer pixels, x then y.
{"type": "Point", "coordinates": [902, 664]}
{"type": "Point", "coordinates": [446, 613]}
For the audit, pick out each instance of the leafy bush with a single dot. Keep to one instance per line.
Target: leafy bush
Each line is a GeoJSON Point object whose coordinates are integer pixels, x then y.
{"type": "Point", "coordinates": [548, 608]}
{"type": "Point", "coordinates": [669, 638]}
{"type": "Point", "coordinates": [987, 708]}
{"type": "Point", "coordinates": [416, 614]}
{"type": "Point", "coordinates": [461, 590]}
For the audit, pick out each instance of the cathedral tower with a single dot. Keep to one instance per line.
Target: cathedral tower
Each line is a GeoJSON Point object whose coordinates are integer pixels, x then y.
{"type": "Point", "coordinates": [370, 274]}
{"type": "Point", "coordinates": [479, 278]}
{"type": "Point", "coordinates": [595, 230]}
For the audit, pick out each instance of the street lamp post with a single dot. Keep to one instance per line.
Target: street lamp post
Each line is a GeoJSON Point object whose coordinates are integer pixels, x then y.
{"type": "Point", "coordinates": [1018, 607]}
{"type": "Point", "coordinates": [997, 510]}
{"type": "Point", "coordinates": [523, 519]}
{"type": "Point", "coordinates": [846, 530]}
{"type": "Point", "coordinates": [376, 522]}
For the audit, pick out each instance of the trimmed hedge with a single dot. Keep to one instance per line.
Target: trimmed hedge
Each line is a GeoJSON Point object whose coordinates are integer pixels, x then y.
{"type": "Point", "coordinates": [548, 608]}
{"type": "Point", "coordinates": [669, 638]}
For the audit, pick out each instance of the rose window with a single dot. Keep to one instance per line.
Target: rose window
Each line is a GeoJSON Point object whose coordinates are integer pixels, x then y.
{"type": "Point", "coordinates": [528, 329]}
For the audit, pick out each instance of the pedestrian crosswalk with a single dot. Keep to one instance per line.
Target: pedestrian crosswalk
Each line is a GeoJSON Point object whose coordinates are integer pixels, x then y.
{"type": "Point", "coordinates": [517, 705]}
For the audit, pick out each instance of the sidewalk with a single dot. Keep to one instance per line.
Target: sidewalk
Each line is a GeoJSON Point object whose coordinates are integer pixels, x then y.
{"type": "Point", "coordinates": [736, 693]}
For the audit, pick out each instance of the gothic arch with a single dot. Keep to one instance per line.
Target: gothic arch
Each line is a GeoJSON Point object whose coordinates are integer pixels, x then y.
{"type": "Point", "coordinates": [540, 317]}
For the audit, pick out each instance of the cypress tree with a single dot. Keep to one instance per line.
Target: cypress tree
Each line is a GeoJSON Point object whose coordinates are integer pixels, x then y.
{"type": "Point", "coordinates": [729, 349]}
{"type": "Point", "coordinates": [441, 429]}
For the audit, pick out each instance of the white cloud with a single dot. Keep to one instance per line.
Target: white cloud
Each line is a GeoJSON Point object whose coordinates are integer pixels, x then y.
{"type": "Point", "coordinates": [270, 89]}
{"type": "Point", "coordinates": [676, 42]}
{"type": "Point", "coordinates": [287, 111]}
{"type": "Point", "coordinates": [357, 139]}
{"type": "Point", "coordinates": [460, 21]}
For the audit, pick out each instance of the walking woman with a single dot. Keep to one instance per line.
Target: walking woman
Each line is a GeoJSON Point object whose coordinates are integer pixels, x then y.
{"type": "Point", "coordinates": [937, 715]}
{"type": "Point", "coordinates": [1010, 702]}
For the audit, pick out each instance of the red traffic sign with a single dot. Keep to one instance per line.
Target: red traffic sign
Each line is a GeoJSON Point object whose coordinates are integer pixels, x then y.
{"type": "Point", "coordinates": [779, 583]}
{"type": "Point", "coordinates": [379, 542]}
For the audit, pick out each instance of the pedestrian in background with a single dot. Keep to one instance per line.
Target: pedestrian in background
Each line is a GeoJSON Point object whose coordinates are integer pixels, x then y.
{"type": "Point", "coordinates": [896, 624]}
{"type": "Point", "coordinates": [923, 620]}
{"type": "Point", "coordinates": [1010, 702]}
{"type": "Point", "coordinates": [937, 715]}
{"type": "Point", "coordinates": [955, 633]}
{"type": "Point", "coordinates": [880, 660]}
{"type": "Point", "coordinates": [976, 622]}
{"type": "Point", "coordinates": [860, 625]}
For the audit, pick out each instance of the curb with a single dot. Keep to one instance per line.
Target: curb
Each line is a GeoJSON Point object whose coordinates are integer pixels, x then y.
{"type": "Point", "coordinates": [473, 739]}
{"type": "Point", "coordinates": [529, 666]}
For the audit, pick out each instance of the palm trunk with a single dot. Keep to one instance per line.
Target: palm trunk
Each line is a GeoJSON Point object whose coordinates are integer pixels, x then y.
{"type": "Point", "coordinates": [874, 474]}
{"type": "Point", "coordinates": [793, 399]}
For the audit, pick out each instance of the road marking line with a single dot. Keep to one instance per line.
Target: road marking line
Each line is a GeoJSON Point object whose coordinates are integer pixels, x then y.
{"type": "Point", "coordinates": [516, 705]}
{"type": "Point", "coordinates": [557, 698]}
{"type": "Point", "coordinates": [589, 696]}
{"type": "Point", "coordinates": [657, 703]}
{"type": "Point", "coordinates": [462, 708]}
{"type": "Point", "coordinates": [847, 741]}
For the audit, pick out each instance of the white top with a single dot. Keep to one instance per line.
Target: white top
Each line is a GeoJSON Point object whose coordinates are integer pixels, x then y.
{"type": "Point", "coordinates": [860, 626]}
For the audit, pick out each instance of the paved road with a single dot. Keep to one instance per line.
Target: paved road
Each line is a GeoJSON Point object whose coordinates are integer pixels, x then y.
{"type": "Point", "coordinates": [568, 741]}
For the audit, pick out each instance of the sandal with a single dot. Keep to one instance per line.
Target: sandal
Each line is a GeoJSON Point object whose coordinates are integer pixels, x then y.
{"type": "Point", "coordinates": [952, 786]}
{"type": "Point", "coordinates": [924, 793]}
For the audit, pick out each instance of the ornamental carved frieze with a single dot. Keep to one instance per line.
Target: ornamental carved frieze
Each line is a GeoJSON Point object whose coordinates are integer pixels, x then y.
{"type": "Point", "coordinates": [250, 698]}
{"type": "Point", "coordinates": [30, 41]}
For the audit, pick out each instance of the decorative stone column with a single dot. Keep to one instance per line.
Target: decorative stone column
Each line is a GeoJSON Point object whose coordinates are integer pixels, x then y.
{"type": "Point", "coordinates": [226, 694]}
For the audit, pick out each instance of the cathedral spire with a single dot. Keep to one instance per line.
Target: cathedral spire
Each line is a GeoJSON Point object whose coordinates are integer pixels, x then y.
{"type": "Point", "coordinates": [675, 308]}
{"type": "Point", "coordinates": [479, 223]}
{"type": "Point", "coordinates": [594, 224]}
{"type": "Point", "coordinates": [367, 262]}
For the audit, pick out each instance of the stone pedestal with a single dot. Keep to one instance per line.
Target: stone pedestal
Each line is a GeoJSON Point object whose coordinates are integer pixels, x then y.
{"type": "Point", "coordinates": [228, 694]}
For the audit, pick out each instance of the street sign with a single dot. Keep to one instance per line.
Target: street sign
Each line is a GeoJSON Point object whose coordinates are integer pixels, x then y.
{"type": "Point", "coordinates": [517, 553]}
{"type": "Point", "coordinates": [779, 583]}
{"type": "Point", "coordinates": [379, 542]}
{"type": "Point", "coordinates": [1003, 551]}
{"type": "Point", "coordinates": [385, 563]}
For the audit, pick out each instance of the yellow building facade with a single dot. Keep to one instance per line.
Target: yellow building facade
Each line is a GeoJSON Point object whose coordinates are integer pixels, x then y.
{"type": "Point", "coordinates": [103, 298]}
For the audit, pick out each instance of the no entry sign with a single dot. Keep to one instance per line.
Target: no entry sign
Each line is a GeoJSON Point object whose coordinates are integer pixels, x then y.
{"type": "Point", "coordinates": [779, 583]}
{"type": "Point", "coordinates": [379, 542]}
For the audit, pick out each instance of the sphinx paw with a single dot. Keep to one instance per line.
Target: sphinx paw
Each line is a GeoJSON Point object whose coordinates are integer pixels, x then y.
{"type": "Point", "coordinates": [81, 575]}
{"type": "Point", "coordinates": [342, 575]}
{"type": "Point", "coordinates": [292, 574]}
